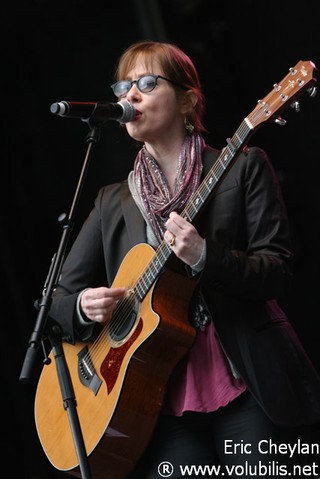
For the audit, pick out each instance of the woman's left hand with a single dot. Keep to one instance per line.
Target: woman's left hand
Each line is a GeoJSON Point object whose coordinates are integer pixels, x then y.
{"type": "Point", "coordinates": [184, 239]}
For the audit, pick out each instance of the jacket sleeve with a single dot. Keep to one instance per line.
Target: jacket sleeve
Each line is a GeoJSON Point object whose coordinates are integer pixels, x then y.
{"type": "Point", "coordinates": [83, 267]}
{"type": "Point", "coordinates": [112, 228]}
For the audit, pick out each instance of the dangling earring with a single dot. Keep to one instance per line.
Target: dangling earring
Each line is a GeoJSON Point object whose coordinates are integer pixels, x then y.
{"type": "Point", "coordinates": [188, 126]}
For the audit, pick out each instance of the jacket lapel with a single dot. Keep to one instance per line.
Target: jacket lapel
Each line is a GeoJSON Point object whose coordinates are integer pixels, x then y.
{"type": "Point", "coordinates": [134, 221]}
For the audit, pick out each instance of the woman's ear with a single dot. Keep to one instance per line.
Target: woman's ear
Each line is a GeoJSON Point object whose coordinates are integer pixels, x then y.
{"type": "Point", "coordinates": [188, 102]}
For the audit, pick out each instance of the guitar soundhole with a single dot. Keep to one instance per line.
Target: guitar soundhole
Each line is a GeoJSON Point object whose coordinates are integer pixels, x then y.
{"type": "Point", "coordinates": [123, 318]}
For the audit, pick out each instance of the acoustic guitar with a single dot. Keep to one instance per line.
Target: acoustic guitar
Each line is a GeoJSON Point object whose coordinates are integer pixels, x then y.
{"type": "Point", "coordinates": [120, 378]}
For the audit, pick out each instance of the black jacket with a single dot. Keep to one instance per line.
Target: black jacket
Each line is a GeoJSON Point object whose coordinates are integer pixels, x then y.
{"type": "Point", "coordinates": [248, 268]}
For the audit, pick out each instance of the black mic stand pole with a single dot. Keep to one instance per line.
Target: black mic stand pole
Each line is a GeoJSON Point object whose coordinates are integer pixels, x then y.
{"type": "Point", "coordinates": [53, 330]}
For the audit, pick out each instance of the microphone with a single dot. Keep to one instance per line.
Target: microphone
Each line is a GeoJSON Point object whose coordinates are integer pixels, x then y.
{"type": "Point", "coordinates": [123, 111]}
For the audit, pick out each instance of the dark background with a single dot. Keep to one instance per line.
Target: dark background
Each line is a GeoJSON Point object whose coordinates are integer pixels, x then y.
{"type": "Point", "coordinates": [67, 50]}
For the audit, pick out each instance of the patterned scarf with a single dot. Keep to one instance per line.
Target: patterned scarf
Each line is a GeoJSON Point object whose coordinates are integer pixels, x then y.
{"type": "Point", "coordinates": [152, 186]}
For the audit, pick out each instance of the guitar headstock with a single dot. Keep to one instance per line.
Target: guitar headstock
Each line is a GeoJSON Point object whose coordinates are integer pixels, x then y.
{"type": "Point", "coordinates": [299, 79]}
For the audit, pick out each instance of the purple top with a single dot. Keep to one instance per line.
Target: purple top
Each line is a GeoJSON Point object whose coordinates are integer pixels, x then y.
{"type": "Point", "coordinates": [202, 381]}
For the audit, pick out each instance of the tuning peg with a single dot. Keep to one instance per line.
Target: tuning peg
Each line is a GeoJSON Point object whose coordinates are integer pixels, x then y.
{"type": "Point", "coordinates": [312, 91]}
{"type": "Point", "coordinates": [296, 106]}
{"type": "Point", "coordinates": [280, 121]}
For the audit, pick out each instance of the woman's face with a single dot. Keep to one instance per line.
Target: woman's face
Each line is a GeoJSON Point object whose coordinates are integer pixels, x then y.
{"type": "Point", "coordinates": [158, 113]}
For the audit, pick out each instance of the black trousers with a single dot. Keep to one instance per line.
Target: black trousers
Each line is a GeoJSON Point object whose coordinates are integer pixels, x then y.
{"type": "Point", "coordinates": [237, 441]}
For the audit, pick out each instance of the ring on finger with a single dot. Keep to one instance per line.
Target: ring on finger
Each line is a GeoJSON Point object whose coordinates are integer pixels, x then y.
{"type": "Point", "coordinates": [172, 240]}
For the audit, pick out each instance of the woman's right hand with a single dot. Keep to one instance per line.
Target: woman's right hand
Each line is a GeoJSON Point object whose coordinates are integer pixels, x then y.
{"type": "Point", "coordinates": [98, 303]}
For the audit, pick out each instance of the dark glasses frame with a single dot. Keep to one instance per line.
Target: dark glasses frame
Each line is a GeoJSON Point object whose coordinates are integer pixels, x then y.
{"type": "Point", "coordinates": [118, 93]}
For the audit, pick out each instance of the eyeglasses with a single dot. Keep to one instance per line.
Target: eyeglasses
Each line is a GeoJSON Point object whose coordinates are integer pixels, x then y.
{"type": "Point", "coordinates": [145, 84]}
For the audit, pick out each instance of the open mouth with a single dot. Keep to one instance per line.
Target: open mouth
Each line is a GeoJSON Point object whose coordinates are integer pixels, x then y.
{"type": "Point", "coordinates": [138, 115]}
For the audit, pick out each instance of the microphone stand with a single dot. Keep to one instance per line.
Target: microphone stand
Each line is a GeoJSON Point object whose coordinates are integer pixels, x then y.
{"type": "Point", "coordinates": [52, 330]}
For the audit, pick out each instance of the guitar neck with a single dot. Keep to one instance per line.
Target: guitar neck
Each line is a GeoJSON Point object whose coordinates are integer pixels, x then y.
{"type": "Point", "coordinates": [225, 160]}
{"type": "Point", "coordinates": [298, 80]}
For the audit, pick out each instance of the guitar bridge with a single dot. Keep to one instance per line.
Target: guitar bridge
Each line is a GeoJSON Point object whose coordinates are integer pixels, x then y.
{"type": "Point", "coordinates": [86, 371]}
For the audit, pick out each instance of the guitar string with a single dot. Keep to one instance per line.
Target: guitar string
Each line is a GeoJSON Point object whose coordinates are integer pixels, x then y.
{"type": "Point", "coordinates": [126, 305]}
{"type": "Point", "coordinates": [205, 188]}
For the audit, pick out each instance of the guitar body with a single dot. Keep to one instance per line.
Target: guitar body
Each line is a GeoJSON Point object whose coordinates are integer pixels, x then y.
{"type": "Point", "coordinates": [118, 412]}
